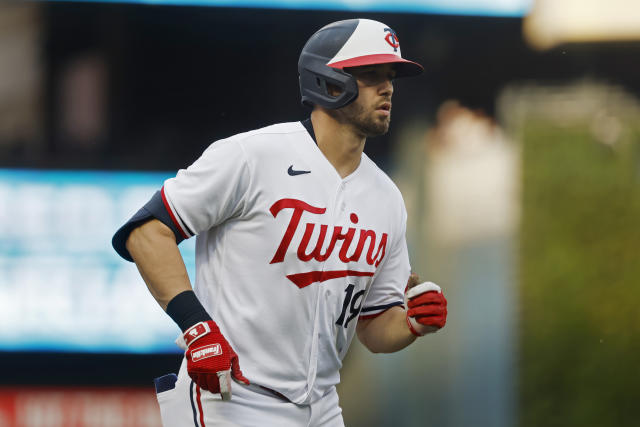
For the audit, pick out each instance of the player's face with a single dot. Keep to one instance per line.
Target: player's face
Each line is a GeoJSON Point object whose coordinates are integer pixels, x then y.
{"type": "Point", "coordinates": [370, 113]}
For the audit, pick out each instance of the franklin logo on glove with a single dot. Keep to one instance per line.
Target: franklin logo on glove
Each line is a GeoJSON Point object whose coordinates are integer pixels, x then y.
{"type": "Point", "coordinates": [206, 351]}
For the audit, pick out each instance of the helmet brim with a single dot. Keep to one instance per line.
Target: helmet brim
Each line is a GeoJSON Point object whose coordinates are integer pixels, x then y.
{"type": "Point", "coordinates": [403, 67]}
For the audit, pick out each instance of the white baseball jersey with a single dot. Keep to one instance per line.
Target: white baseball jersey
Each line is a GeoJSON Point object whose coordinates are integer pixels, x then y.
{"type": "Point", "coordinates": [288, 253]}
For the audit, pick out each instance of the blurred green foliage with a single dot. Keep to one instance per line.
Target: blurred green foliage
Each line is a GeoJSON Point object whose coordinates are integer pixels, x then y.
{"type": "Point", "coordinates": [579, 358]}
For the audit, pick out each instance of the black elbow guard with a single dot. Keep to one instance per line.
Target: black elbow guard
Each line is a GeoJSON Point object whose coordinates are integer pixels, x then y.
{"type": "Point", "coordinates": [154, 208]}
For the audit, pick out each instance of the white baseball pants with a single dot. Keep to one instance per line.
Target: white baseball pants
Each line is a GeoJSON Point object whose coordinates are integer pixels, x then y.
{"type": "Point", "coordinates": [187, 405]}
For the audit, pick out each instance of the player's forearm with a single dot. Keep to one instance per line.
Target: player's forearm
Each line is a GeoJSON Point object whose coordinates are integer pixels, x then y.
{"type": "Point", "coordinates": [153, 248]}
{"type": "Point", "coordinates": [386, 333]}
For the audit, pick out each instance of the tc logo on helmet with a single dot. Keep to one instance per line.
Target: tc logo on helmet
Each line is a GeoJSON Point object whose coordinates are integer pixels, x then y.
{"type": "Point", "coordinates": [392, 39]}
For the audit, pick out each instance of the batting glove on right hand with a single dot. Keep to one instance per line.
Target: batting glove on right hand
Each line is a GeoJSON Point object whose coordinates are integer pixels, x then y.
{"type": "Point", "coordinates": [211, 362]}
{"type": "Point", "coordinates": [426, 307]}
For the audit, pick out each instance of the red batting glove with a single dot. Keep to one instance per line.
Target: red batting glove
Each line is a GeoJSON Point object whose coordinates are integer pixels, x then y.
{"type": "Point", "coordinates": [426, 307]}
{"type": "Point", "coordinates": [210, 359]}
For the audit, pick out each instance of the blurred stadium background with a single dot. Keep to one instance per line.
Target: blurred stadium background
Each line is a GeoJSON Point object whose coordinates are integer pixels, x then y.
{"type": "Point", "coordinates": [518, 153]}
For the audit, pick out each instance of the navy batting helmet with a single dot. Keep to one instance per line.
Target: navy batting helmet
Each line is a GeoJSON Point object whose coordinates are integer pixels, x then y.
{"type": "Point", "coordinates": [342, 44]}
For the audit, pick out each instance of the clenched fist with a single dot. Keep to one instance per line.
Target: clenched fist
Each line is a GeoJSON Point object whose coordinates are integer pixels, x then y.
{"type": "Point", "coordinates": [426, 306]}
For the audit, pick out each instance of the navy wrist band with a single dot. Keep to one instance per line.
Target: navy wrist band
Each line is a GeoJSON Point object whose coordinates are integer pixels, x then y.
{"type": "Point", "coordinates": [186, 310]}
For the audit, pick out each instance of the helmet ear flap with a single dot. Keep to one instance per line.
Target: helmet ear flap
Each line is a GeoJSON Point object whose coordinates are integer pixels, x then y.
{"type": "Point", "coordinates": [314, 79]}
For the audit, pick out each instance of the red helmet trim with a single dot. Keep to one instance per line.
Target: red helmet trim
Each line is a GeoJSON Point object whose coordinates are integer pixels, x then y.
{"type": "Point", "coordinates": [385, 58]}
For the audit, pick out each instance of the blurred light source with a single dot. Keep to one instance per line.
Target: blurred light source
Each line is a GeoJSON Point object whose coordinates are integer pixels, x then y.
{"type": "Point", "coordinates": [21, 73]}
{"type": "Point", "coordinates": [472, 185]}
{"type": "Point", "coordinates": [83, 101]}
{"type": "Point", "coordinates": [552, 22]}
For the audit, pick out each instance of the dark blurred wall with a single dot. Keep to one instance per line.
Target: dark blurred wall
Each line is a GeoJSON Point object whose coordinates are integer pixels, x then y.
{"type": "Point", "coordinates": [148, 87]}
{"type": "Point", "coordinates": [179, 78]}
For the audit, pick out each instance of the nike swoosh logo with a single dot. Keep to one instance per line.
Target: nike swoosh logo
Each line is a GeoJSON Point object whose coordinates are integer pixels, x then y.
{"type": "Point", "coordinates": [292, 172]}
{"type": "Point", "coordinates": [302, 280]}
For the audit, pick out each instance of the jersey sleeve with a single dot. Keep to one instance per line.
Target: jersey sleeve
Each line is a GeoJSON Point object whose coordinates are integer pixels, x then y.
{"type": "Point", "coordinates": [387, 289]}
{"type": "Point", "coordinates": [210, 191]}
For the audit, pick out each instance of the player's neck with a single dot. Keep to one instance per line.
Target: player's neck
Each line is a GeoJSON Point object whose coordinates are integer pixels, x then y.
{"type": "Point", "coordinates": [340, 144]}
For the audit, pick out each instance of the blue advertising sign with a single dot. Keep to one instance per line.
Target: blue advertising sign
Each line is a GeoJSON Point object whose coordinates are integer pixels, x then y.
{"type": "Point", "coordinates": [62, 286]}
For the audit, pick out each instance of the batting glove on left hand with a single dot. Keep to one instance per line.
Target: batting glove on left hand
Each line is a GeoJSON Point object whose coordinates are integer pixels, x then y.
{"type": "Point", "coordinates": [211, 362]}
{"type": "Point", "coordinates": [426, 306]}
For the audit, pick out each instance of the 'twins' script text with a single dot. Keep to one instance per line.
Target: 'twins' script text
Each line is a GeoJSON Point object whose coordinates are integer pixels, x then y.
{"type": "Point", "coordinates": [303, 253]}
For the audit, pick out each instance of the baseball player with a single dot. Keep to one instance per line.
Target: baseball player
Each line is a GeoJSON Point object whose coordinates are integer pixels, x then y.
{"type": "Point", "coordinates": [300, 246]}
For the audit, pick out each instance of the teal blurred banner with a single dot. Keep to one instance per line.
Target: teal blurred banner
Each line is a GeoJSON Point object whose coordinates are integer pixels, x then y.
{"type": "Point", "coordinates": [62, 286]}
{"type": "Point", "coordinates": [506, 8]}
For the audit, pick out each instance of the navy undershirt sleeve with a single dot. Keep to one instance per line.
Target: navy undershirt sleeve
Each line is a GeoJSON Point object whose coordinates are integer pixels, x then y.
{"type": "Point", "coordinates": [154, 208]}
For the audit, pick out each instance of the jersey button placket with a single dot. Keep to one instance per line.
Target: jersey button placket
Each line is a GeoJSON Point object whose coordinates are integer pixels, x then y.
{"type": "Point", "coordinates": [335, 213]}
{"type": "Point", "coordinates": [343, 205]}
{"type": "Point", "coordinates": [339, 214]}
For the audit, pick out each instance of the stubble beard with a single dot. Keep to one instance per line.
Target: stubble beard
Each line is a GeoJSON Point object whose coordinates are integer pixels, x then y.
{"type": "Point", "coordinates": [365, 121]}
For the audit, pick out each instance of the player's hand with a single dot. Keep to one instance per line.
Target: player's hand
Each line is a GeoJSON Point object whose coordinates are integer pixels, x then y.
{"type": "Point", "coordinates": [426, 306]}
{"type": "Point", "coordinates": [211, 362]}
